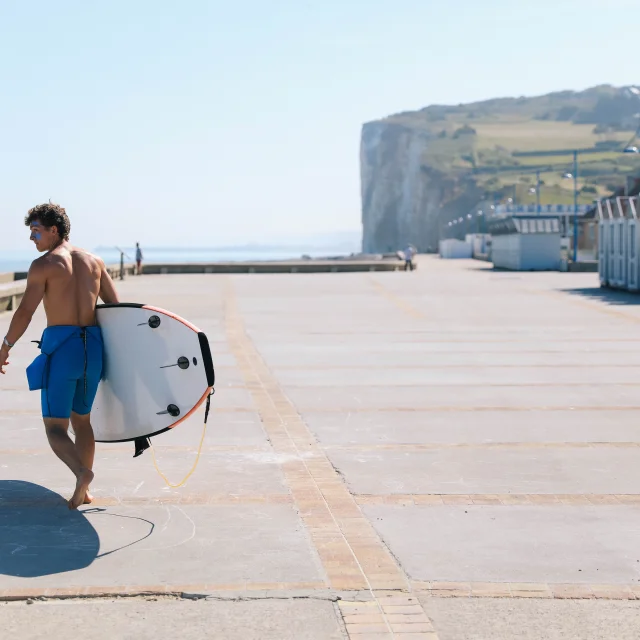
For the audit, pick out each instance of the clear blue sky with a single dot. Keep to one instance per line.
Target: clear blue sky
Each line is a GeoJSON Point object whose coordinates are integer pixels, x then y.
{"type": "Point", "coordinates": [194, 122]}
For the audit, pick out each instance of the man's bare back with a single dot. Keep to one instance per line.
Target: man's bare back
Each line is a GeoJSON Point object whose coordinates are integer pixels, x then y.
{"type": "Point", "coordinates": [69, 281]}
{"type": "Point", "coordinates": [73, 282]}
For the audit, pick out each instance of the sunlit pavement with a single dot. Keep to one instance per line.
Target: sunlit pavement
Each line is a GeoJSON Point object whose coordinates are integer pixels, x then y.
{"type": "Point", "coordinates": [451, 453]}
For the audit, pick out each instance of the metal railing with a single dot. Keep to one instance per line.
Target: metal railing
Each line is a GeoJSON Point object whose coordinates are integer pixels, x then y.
{"type": "Point", "coordinates": [122, 267]}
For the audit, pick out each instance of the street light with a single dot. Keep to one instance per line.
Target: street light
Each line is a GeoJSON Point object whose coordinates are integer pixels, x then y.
{"type": "Point", "coordinates": [536, 189]}
{"type": "Point", "coordinates": [568, 176]}
{"type": "Point", "coordinates": [633, 92]}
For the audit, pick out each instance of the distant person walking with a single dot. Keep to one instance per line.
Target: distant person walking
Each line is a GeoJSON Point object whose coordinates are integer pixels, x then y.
{"type": "Point", "coordinates": [139, 257]}
{"type": "Point", "coordinates": [409, 252]}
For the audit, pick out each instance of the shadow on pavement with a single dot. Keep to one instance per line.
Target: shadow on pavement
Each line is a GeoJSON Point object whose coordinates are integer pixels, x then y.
{"type": "Point", "coordinates": [609, 296]}
{"type": "Point", "coordinates": [39, 536]}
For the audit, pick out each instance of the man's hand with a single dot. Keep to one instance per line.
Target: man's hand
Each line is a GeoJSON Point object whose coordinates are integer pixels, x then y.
{"type": "Point", "coordinates": [4, 357]}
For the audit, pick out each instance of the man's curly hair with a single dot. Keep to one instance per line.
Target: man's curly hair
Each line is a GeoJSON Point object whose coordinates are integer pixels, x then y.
{"type": "Point", "coordinates": [50, 215]}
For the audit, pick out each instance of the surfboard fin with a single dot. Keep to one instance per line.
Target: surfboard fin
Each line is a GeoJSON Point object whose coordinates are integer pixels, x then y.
{"type": "Point", "coordinates": [141, 445]}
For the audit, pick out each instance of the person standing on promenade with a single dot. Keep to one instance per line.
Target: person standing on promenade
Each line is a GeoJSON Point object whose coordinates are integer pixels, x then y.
{"type": "Point", "coordinates": [139, 257]}
{"type": "Point", "coordinates": [69, 280]}
{"type": "Point", "coordinates": [409, 252]}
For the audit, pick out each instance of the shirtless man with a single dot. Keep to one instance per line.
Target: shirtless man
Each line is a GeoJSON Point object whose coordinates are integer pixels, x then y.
{"type": "Point", "coordinates": [69, 280]}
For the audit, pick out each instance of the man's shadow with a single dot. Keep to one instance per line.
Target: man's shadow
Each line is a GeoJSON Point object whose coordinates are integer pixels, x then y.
{"type": "Point", "coordinates": [39, 536]}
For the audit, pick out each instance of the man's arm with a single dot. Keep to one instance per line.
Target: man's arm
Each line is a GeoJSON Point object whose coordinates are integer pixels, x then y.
{"type": "Point", "coordinates": [36, 282]}
{"type": "Point", "coordinates": [108, 293]}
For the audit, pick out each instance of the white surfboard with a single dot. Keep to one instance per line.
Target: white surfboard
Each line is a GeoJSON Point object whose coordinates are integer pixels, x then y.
{"type": "Point", "coordinates": [157, 371]}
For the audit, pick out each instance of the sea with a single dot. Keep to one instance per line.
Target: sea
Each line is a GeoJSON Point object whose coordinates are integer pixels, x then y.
{"type": "Point", "coordinates": [19, 260]}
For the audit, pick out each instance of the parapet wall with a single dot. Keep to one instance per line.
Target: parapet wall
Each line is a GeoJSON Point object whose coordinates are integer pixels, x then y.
{"type": "Point", "coordinates": [13, 285]}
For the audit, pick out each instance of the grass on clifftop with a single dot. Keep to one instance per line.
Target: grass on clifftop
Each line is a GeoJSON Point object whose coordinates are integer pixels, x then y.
{"type": "Point", "coordinates": [504, 142]}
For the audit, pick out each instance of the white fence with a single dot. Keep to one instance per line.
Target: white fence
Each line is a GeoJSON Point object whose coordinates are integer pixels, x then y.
{"type": "Point", "coordinates": [453, 249]}
{"type": "Point", "coordinates": [618, 243]}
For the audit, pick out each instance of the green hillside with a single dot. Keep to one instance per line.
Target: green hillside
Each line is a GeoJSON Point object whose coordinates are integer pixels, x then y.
{"type": "Point", "coordinates": [503, 142]}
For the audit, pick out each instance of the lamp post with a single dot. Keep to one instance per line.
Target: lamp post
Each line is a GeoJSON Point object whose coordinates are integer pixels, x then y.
{"type": "Point", "coordinates": [574, 175]}
{"type": "Point", "coordinates": [575, 206]}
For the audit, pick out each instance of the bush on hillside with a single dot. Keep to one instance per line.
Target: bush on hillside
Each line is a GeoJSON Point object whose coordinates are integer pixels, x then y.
{"type": "Point", "coordinates": [466, 130]}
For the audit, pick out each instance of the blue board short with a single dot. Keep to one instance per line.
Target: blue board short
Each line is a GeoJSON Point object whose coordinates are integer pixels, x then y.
{"type": "Point", "coordinates": [72, 370]}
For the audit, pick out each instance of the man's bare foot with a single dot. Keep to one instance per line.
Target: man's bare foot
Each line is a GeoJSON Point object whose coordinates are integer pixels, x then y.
{"type": "Point", "coordinates": [88, 498]}
{"type": "Point", "coordinates": [82, 485]}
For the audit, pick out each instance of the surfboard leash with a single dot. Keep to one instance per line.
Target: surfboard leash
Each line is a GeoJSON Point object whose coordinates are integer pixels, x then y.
{"type": "Point", "coordinates": [195, 464]}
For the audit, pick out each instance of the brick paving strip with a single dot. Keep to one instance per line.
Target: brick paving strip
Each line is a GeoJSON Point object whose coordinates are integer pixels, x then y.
{"type": "Point", "coordinates": [445, 408]}
{"type": "Point", "coordinates": [488, 365]}
{"type": "Point", "coordinates": [351, 552]}
{"type": "Point", "coordinates": [480, 445]}
{"type": "Point", "coordinates": [159, 448]}
{"type": "Point", "coordinates": [244, 449]}
{"type": "Point", "coordinates": [504, 499]}
{"type": "Point", "coordinates": [527, 590]}
{"type": "Point", "coordinates": [225, 499]}
{"type": "Point", "coordinates": [414, 409]}
{"type": "Point", "coordinates": [396, 499]}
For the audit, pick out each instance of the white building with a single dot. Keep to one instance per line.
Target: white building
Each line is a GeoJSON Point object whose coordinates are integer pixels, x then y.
{"type": "Point", "coordinates": [525, 243]}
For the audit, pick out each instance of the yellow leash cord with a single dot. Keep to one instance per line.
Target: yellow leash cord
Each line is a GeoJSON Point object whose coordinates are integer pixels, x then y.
{"type": "Point", "coordinates": [195, 464]}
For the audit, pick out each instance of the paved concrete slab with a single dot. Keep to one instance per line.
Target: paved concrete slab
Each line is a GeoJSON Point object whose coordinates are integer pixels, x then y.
{"type": "Point", "coordinates": [454, 380]}
{"type": "Point", "coordinates": [345, 344]}
{"type": "Point", "coordinates": [120, 476]}
{"type": "Point", "coordinates": [459, 427]}
{"type": "Point", "coordinates": [153, 546]}
{"type": "Point", "coordinates": [358, 358]}
{"type": "Point", "coordinates": [515, 544]}
{"type": "Point", "coordinates": [26, 431]}
{"type": "Point", "coordinates": [531, 619]}
{"type": "Point", "coordinates": [12, 401]}
{"type": "Point", "coordinates": [486, 376]}
{"type": "Point", "coordinates": [468, 397]}
{"type": "Point", "coordinates": [242, 429]}
{"type": "Point", "coordinates": [471, 470]}
{"type": "Point", "coordinates": [168, 619]}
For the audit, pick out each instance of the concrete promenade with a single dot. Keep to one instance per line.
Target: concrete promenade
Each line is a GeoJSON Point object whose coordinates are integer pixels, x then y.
{"type": "Point", "coordinates": [449, 454]}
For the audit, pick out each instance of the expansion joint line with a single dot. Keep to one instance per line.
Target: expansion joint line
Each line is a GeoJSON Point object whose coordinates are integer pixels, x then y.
{"type": "Point", "coordinates": [399, 302]}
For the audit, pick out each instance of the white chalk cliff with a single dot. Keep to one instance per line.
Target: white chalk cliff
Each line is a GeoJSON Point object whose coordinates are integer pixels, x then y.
{"type": "Point", "coordinates": [399, 199]}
